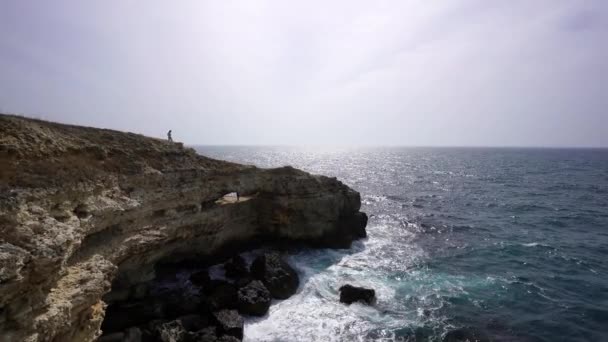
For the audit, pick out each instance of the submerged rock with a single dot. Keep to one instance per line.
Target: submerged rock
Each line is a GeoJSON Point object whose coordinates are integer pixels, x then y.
{"type": "Point", "coordinates": [279, 278]}
{"type": "Point", "coordinates": [350, 294]}
{"type": "Point", "coordinates": [254, 299]}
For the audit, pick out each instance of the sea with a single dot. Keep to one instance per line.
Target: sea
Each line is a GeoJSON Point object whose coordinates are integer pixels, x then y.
{"type": "Point", "coordinates": [510, 242]}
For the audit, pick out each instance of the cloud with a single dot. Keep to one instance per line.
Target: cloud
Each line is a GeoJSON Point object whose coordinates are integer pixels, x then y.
{"type": "Point", "coordinates": [341, 72]}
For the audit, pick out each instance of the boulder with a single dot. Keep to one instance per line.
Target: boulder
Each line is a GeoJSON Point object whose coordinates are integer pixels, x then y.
{"type": "Point", "coordinates": [254, 299]}
{"type": "Point", "coordinates": [224, 296]}
{"type": "Point", "coordinates": [229, 322]}
{"type": "Point", "coordinates": [467, 334]}
{"type": "Point", "coordinates": [279, 278]}
{"type": "Point", "coordinates": [236, 267]}
{"type": "Point", "coordinates": [350, 294]}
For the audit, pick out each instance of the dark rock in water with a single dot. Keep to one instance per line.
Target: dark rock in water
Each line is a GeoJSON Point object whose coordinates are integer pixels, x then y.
{"type": "Point", "coordinates": [279, 278]}
{"type": "Point", "coordinates": [124, 315]}
{"type": "Point", "coordinates": [254, 299]}
{"type": "Point", "coordinates": [224, 296]}
{"type": "Point", "coordinates": [350, 294]}
{"type": "Point", "coordinates": [468, 334]}
{"type": "Point", "coordinates": [229, 322]}
{"type": "Point", "coordinates": [200, 278]}
{"type": "Point", "coordinates": [236, 267]}
{"type": "Point", "coordinates": [228, 338]}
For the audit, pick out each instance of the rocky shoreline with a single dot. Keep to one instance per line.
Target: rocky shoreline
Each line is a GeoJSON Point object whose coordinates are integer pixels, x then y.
{"type": "Point", "coordinates": [187, 304]}
{"type": "Point", "coordinates": [90, 218]}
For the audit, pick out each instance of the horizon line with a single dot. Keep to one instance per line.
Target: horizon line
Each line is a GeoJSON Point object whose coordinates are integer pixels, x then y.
{"type": "Point", "coordinates": [402, 146]}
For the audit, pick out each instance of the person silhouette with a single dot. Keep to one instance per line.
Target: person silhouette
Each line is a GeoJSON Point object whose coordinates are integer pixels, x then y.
{"type": "Point", "coordinates": [169, 136]}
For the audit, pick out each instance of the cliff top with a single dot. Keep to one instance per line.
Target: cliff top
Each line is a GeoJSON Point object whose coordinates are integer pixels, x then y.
{"type": "Point", "coordinates": [37, 153]}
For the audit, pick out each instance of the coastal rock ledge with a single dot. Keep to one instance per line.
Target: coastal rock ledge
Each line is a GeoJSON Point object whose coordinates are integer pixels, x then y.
{"type": "Point", "coordinates": [86, 213]}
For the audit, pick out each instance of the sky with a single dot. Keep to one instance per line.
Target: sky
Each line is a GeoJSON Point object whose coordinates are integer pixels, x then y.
{"type": "Point", "coordinates": [407, 72]}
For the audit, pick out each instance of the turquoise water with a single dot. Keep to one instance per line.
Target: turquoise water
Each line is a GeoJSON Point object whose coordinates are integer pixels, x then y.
{"type": "Point", "coordinates": [513, 242]}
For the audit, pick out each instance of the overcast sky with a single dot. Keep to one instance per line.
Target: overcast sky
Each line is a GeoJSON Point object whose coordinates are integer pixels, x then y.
{"type": "Point", "coordinates": [506, 73]}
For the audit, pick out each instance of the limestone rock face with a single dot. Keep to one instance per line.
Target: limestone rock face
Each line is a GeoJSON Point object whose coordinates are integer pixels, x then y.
{"type": "Point", "coordinates": [84, 211]}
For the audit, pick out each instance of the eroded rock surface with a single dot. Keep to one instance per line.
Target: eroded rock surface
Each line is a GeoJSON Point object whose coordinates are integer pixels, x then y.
{"type": "Point", "coordinates": [84, 211]}
{"type": "Point", "coordinates": [254, 299]}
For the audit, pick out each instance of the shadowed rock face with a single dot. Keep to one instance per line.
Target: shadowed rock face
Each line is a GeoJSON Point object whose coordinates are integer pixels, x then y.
{"type": "Point", "coordinates": [85, 210]}
{"type": "Point", "coordinates": [276, 274]}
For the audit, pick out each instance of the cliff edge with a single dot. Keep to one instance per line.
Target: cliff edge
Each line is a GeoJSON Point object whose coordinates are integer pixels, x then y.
{"type": "Point", "coordinates": [84, 211]}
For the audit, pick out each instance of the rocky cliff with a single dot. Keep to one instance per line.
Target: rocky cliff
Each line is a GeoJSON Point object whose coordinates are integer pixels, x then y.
{"type": "Point", "coordinates": [86, 211]}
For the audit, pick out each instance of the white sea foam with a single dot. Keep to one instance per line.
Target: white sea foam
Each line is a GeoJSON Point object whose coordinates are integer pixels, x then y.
{"type": "Point", "coordinates": [314, 313]}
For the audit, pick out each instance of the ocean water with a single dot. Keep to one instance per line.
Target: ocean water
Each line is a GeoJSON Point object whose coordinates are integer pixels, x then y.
{"type": "Point", "coordinates": [513, 242]}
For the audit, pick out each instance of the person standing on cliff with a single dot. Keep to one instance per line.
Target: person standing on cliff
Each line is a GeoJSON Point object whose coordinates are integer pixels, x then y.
{"type": "Point", "coordinates": [169, 136]}
{"type": "Point", "coordinates": [237, 196]}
